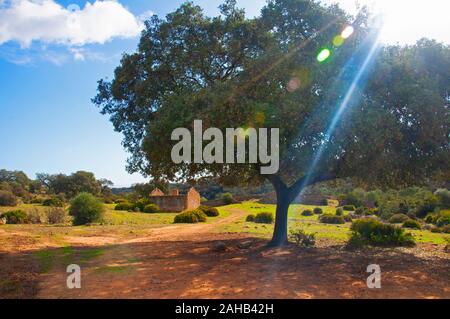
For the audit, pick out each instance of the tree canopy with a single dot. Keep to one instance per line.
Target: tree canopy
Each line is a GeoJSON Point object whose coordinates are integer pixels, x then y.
{"type": "Point", "coordinates": [377, 114]}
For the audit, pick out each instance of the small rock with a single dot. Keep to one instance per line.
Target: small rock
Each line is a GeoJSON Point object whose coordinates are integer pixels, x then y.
{"type": "Point", "coordinates": [220, 246]}
{"type": "Point", "coordinates": [245, 245]}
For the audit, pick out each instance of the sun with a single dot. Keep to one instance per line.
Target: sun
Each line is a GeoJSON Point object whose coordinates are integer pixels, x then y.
{"type": "Point", "coordinates": [406, 21]}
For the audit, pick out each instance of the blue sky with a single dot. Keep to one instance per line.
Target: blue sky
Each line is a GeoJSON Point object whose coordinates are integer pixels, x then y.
{"type": "Point", "coordinates": [48, 75]}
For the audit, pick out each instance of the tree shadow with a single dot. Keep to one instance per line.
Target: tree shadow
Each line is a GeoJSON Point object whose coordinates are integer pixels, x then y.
{"type": "Point", "coordinates": [222, 268]}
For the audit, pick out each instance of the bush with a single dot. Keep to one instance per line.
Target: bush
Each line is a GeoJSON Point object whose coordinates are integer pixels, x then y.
{"type": "Point", "coordinates": [264, 218]}
{"type": "Point", "coordinates": [56, 216]}
{"type": "Point", "coordinates": [36, 200]}
{"type": "Point", "coordinates": [7, 198]}
{"type": "Point", "coordinates": [443, 196]}
{"type": "Point", "coordinates": [35, 216]}
{"type": "Point", "coordinates": [15, 217]}
{"type": "Point", "coordinates": [348, 218]}
{"type": "Point", "coordinates": [339, 211]}
{"type": "Point", "coordinates": [85, 209]}
{"type": "Point", "coordinates": [190, 216]}
{"type": "Point", "coordinates": [124, 206]}
{"type": "Point", "coordinates": [331, 219]}
{"type": "Point", "coordinates": [209, 211]}
{"type": "Point", "coordinates": [250, 218]}
{"type": "Point", "coordinates": [151, 209]}
{"type": "Point", "coordinates": [369, 231]}
{"type": "Point", "coordinates": [307, 212]}
{"type": "Point", "coordinates": [442, 221]}
{"type": "Point", "coordinates": [349, 208]}
{"type": "Point", "coordinates": [431, 218]}
{"type": "Point", "coordinates": [411, 223]}
{"type": "Point", "coordinates": [318, 211]}
{"type": "Point", "coordinates": [227, 198]}
{"type": "Point", "coordinates": [360, 210]}
{"type": "Point", "coordinates": [53, 202]}
{"type": "Point", "coordinates": [302, 239]}
{"type": "Point", "coordinates": [398, 218]}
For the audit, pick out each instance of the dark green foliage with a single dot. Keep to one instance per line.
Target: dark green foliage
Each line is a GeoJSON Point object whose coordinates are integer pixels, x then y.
{"type": "Point", "coordinates": [307, 212]}
{"type": "Point", "coordinates": [398, 218]}
{"type": "Point", "coordinates": [318, 211]}
{"type": "Point", "coordinates": [85, 209]}
{"type": "Point", "coordinates": [331, 219]}
{"type": "Point", "coordinates": [411, 223]}
{"type": "Point", "coordinates": [124, 206]}
{"type": "Point", "coordinates": [360, 210]}
{"type": "Point", "coordinates": [209, 211]}
{"type": "Point", "coordinates": [302, 239]}
{"type": "Point", "coordinates": [264, 218]}
{"type": "Point", "coordinates": [227, 198]}
{"type": "Point", "coordinates": [15, 217]}
{"type": "Point", "coordinates": [348, 218]}
{"type": "Point", "coordinates": [250, 218]}
{"type": "Point", "coordinates": [428, 206]}
{"type": "Point", "coordinates": [349, 208]}
{"type": "Point", "coordinates": [339, 211]}
{"type": "Point", "coordinates": [431, 218]}
{"type": "Point", "coordinates": [7, 198]}
{"type": "Point", "coordinates": [151, 209]}
{"type": "Point", "coordinates": [53, 202]}
{"type": "Point", "coordinates": [369, 231]}
{"type": "Point", "coordinates": [190, 216]}
{"type": "Point", "coordinates": [444, 219]}
{"type": "Point", "coordinates": [56, 216]}
{"type": "Point", "coordinates": [443, 196]}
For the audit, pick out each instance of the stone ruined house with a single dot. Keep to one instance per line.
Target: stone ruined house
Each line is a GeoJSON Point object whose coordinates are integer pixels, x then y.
{"type": "Point", "coordinates": [174, 201]}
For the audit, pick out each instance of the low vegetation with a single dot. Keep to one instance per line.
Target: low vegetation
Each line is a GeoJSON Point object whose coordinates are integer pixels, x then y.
{"type": "Point", "coordinates": [209, 211]}
{"type": "Point", "coordinates": [369, 231]}
{"type": "Point", "coordinates": [302, 239]}
{"type": "Point", "coordinates": [190, 217]}
{"type": "Point", "coordinates": [331, 219]}
{"type": "Point", "coordinates": [85, 208]}
{"type": "Point", "coordinates": [264, 218]}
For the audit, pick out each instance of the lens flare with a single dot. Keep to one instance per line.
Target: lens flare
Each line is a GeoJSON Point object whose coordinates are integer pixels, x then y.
{"type": "Point", "coordinates": [347, 32]}
{"type": "Point", "coordinates": [338, 41]}
{"type": "Point", "coordinates": [323, 55]}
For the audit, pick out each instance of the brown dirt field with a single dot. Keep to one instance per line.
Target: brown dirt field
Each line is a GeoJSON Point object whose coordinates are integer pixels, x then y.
{"type": "Point", "coordinates": [180, 261]}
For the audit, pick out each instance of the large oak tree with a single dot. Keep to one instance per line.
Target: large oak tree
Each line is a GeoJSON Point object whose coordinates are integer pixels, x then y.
{"type": "Point", "coordinates": [377, 114]}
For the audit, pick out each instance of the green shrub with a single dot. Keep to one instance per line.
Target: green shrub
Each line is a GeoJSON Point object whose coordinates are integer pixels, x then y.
{"type": "Point", "coordinates": [307, 212]}
{"type": "Point", "coordinates": [325, 202]}
{"type": "Point", "coordinates": [7, 198]}
{"type": "Point", "coordinates": [443, 219]}
{"type": "Point", "coordinates": [349, 208]}
{"type": "Point", "coordinates": [443, 196]}
{"type": "Point", "coordinates": [250, 218]}
{"type": "Point", "coordinates": [318, 211]}
{"type": "Point", "coordinates": [209, 211]}
{"type": "Point", "coordinates": [190, 216]}
{"type": "Point", "coordinates": [151, 209]}
{"type": "Point", "coordinates": [369, 231]}
{"type": "Point", "coordinates": [339, 211]}
{"type": "Point", "coordinates": [264, 218]}
{"type": "Point", "coordinates": [85, 209]}
{"type": "Point", "coordinates": [56, 216]}
{"type": "Point", "coordinates": [124, 206]}
{"type": "Point", "coordinates": [411, 223]}
{"type": "Point", "coordinates": [360, 210]}
{"type": "Point", "coordinates": [15, 217]}
{"type": "Point", "coordinates": [53, 202]}
{"type": "Point", "coordinates": [398, 218]}
{"type": "Point", "coordinates": [36, 200]}
{"type": "Point", "coordinates": [302, 239]}
{"type": "Point", "coordinates": [227, 198]}
{"type": "Point", "coordinates": [331, 219]}
{"type": "Point", "coordinates": [431, 218]}
{"type": "Point", "coordinates": [348, 218]}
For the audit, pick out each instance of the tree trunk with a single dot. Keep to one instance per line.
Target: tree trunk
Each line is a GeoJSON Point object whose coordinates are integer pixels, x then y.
{"type": "Point", "coordinates": [280, 237]}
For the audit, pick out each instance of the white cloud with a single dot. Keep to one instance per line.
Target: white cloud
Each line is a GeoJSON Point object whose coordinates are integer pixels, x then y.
{"type": "Point", "coordinates": [25, 21]}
